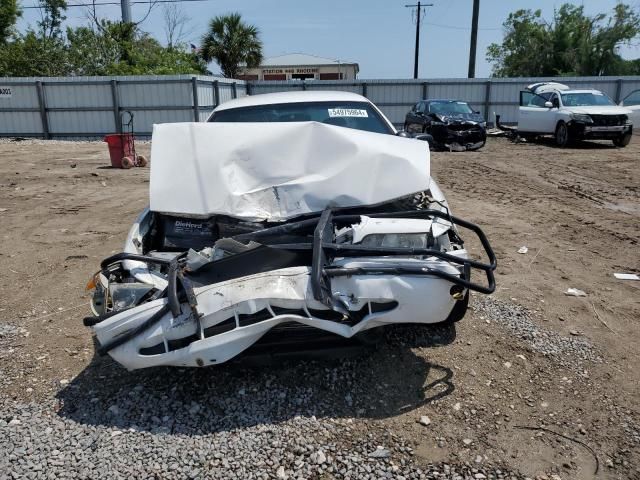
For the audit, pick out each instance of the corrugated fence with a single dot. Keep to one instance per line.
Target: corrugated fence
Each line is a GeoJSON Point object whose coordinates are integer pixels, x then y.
{"type": "Point", "coordinates": [489, 96]}
{"type": "Point", "coordinates": [81, 107]}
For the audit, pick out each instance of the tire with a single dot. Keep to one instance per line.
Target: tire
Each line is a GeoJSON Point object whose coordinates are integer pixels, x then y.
{"type": "Point", "coordinates": [484, 142]}
{"type": "Point", "coordinates": [622, 141]}
{"type": "Point", "coordinates": [459, 310]}
{"type": "Point", "coordinates": [562, 135]}
{"type": "Point", "coordinates": [127, 162]}
{"type": "Point", "coordinates": [141, 161]}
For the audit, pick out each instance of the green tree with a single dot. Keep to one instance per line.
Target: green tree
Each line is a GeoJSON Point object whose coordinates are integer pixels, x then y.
{"type": "Point", "coordinates": [9, 14]}
{"type": "Point", "coordinates": [91, 52]}
{"type": "Point", "coordinates": [119, 49]}
{"type": "Point", "coordinates": [52, 18]}
{"type": "Point", "coordinates": [572, 44]}
{"type": "Point", "coordinates": [231, 43]}
{"type": "Point", "coordinates": [101, 48]}
{"type": "Point", "coordinates": [29, 55]}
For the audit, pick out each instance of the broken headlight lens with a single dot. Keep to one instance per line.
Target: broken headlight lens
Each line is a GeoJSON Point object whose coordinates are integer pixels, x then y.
{"type": "Point", "coordinates": [581, 117]}
{"type": "Point", "coordinates": [395, 240]}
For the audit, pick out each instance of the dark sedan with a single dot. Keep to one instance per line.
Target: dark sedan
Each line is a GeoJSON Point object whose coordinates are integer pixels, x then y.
{"type": "Point", "coordinates": [453, 124]}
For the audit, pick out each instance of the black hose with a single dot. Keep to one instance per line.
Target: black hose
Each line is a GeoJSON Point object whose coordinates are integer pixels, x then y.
{"type": "Point", "coordinates": [132, 256]}
{"type": "Point", "coordinates": [91, 321]}
{"type": "Point", "coordinates": [172, 289]}
{"type": "Point", "coordinates": [116, 342]}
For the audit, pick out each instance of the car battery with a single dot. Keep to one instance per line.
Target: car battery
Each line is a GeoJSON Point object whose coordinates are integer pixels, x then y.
{"type": "Point", "coordinates": [185, 233]}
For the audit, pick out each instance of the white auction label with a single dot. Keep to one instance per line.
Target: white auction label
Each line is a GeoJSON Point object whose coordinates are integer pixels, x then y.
{"type": "Point", "coordinates": [5, 92]}
{"type": "Point", "coordinates": [347, 112]}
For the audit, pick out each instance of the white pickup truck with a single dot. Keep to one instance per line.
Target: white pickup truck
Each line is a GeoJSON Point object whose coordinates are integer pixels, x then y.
{"type": "Point", "coordinates": [551, 108]}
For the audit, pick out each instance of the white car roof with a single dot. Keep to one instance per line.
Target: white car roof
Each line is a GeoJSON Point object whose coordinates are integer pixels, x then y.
{"type": "Point", "coordinates": [547, 87]}
{"type": "Point", "coordinates": [291, 97]}
{"type": "Point", "coordinates": [542, 87]}
{"type": "Point", "coordinates": [589, 90]}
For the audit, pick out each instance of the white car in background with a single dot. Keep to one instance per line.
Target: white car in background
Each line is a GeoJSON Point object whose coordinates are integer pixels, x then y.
{"type": "Point", "coordinates": [551, 108]}
{"type": "Point", "coordinates": [632, 102]}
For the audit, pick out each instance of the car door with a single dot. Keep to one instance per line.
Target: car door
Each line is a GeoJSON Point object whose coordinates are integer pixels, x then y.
{"type": "Point", "coordinates": [632, 102]}
{"type": "Point", "coordinates": [548, 122]}
{"type": "Point", "coordinates": [533, 115]}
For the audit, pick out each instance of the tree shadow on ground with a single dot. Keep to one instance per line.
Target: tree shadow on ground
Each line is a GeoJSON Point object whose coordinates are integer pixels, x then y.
{"type": "Point", "coordinates": [380, 382]}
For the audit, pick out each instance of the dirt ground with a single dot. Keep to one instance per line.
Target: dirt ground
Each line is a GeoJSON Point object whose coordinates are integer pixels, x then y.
{"type": "Point", "coordinates": [577, 210]}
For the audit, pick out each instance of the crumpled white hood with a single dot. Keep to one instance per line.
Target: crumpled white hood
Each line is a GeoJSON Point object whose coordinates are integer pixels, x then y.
{"type": "Point", "coordinates": [279, 170]}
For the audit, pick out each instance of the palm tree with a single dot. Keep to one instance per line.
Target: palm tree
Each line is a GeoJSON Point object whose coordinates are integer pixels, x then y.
{"type": "Point", "coordinates": [231, 43]}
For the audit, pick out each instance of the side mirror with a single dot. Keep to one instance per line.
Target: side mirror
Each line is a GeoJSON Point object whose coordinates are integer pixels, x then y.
{"type": "Point", "coordinates": [403, 134]}
{"type": "Point", "coordinates": [548, 104]}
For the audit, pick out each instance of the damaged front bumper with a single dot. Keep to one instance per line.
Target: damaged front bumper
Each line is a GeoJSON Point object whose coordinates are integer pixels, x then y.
{"type": "Point", "coordinates": [208, 314]}
{"type": "Point", "coordinates": [591, 131]}
{"type": "Point", "coordinates": [459, 135]}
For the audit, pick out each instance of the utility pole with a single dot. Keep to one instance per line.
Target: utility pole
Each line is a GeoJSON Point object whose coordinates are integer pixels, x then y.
{"type": "Point", "coordinates": [126, 11]}
{"type": "Point", "coordinates": [474, 39]}
{"type": "Point", "coordinates": [418, 8]}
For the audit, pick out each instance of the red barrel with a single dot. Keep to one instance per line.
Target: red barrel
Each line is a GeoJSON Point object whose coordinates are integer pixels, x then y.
{"type": "Point", "coordinates": [120, 146]}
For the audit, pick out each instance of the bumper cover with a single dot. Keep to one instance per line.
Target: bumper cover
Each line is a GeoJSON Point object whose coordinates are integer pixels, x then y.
{"type": "Point", "coordinates": [347, 289]}
{"type": "Point", "coordinates": [589, 131]}
{"type": "Point", "coordinates": [460, 135]}
{"type": "Point", "coordinates": [237, 313]}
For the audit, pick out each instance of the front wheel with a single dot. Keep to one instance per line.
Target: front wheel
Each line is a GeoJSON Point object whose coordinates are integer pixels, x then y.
{"type": "Point", "coordinates": [622, 141]}
{"type": "Point", "coordinates": [562, 134]}
{"type": "Point", "coordinates": [484, 142]}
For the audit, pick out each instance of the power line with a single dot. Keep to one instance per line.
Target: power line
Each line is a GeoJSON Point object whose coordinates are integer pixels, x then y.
{"type": "Point", "coordinates": [118, 3]}
{"type": "Point", "coordinates": [456, 27]}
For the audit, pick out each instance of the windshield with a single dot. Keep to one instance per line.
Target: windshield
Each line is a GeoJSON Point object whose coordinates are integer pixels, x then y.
{"type": "Point", "coordinates": [449, 108]}
{"type": "Point", "coordinates": [357, 115]}
{"type": "Point", "coordinates": [585, 99]}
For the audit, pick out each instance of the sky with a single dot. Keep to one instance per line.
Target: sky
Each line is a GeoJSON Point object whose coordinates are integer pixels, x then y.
{"type": "Point", "coordinates": [377, 34]}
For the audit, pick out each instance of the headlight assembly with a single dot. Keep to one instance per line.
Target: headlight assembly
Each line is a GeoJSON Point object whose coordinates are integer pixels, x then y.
{"type": "Point", "coordinates": [581, 117]}
{"type": "Point", "coordinates": [396, 240]}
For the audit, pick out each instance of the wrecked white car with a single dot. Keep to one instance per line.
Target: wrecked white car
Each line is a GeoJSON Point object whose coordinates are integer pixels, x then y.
{"type": "Point", "coordinates": [269, 230]}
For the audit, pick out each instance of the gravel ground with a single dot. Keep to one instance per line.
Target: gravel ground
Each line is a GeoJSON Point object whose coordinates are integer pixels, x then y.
{"type": "Point", "coordinates": [243, 424]}
{"type": "Point", "coordinates": [519, 321]}
{"type": "Point", "coordinates": [442, 402]}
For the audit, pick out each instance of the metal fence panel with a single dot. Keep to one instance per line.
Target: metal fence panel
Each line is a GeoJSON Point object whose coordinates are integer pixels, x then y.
{"type": "Point", "coordinates": [22, 96]}
{"type": "Point", "coordinates": [20, 123]}
{"type": "Point", "coordinates": [78, 96]}
{"type": "Point", "coordinates": [69, 107]}
{"type": "Point", "coordinates": [154, 94]}
{"type": "Point", "coordinates": [145, 119]}
{"type": "Point", "coordinates": [80, 107]}
{"type": "Point", "coordinates": [81, 123]}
